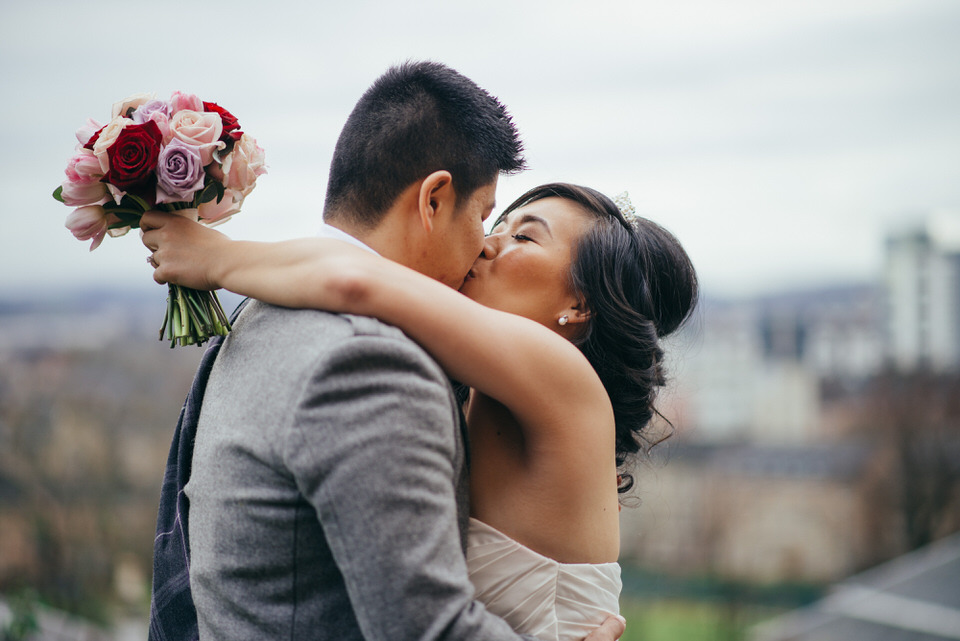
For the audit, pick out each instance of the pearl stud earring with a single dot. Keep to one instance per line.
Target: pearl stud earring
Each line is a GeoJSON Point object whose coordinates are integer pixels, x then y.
{"type": "Point", "coordinates": [563, 319]}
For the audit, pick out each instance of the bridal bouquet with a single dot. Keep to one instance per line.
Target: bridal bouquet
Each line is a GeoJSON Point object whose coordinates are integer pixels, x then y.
{"type": "Point", "coordinates": [181, 155]}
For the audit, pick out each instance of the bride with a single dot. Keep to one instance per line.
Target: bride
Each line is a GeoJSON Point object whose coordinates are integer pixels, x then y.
{"type": "Point", "coordinates": [555, 331]}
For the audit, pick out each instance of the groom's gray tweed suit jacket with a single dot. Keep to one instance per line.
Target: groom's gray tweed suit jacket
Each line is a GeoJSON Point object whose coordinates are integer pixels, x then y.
{"type": "Point", "coordinates": [328, 496]}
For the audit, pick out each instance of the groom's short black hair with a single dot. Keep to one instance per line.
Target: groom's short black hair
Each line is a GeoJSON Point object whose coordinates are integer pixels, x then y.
{"type": "Point", "coordinates": [417, 118]}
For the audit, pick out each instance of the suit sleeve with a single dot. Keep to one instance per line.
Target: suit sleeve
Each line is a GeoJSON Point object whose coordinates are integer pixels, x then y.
{"type": "Point", "coordinates": [372, 448]}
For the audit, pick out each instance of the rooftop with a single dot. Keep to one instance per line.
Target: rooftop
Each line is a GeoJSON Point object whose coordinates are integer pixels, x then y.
{"type": "Point", "coordinates": [915, 597]}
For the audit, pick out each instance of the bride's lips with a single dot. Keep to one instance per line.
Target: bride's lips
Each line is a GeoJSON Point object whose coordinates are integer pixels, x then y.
{"type": "Point", "coordinates": [470, 276]}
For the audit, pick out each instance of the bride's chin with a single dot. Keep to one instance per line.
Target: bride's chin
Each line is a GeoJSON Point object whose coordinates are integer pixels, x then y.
{"type": "Point", "coordinates": [468, 289]}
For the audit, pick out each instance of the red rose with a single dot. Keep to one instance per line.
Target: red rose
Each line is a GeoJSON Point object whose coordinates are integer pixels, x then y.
{"type": "Point", "coordinates": [231, 128]}
{"type": "Point", "coordinates": [133, 156]}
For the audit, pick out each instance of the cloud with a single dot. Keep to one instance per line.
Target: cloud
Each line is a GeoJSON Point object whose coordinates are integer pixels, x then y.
{"type": "Point", "coordinates": [777, 139]}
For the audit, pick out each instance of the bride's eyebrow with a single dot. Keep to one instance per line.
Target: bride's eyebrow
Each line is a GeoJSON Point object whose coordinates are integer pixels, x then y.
{"type": "Point", "coordinates": [530, 218]}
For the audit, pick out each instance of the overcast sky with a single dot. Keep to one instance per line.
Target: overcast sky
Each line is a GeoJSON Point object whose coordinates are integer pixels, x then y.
{"type": "Point", "coordinates": [780, 140]}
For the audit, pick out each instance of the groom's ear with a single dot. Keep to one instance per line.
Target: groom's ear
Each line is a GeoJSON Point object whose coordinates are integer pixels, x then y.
{"type": "Point", "coordinates": [436, 198]}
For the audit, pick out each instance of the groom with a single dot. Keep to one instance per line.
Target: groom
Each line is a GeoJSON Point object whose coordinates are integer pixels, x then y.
{"type": "Point", "coordinates": [327, 483]}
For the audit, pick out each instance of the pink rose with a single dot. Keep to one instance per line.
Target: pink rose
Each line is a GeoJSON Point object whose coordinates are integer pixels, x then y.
{"type": "Point", "coordinates": [83, 186]}
{"type": "Point", "coordinates": [123, 107]}
{"type": "Point", "coordinates": [202, 130]}
{"type": "Point", "coordinates": [242, 165]}
{"type": "Point", "coordinates": [214, 213]}
{"type": "Point", "coordinates": [90, 222]}
{"type": "Point", "coordinates": [163, 124]}
{"type": "Point", "coordinates": [180, 101]}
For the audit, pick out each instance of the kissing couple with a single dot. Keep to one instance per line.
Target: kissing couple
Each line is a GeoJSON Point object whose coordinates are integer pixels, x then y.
{"type": "Point", "coordinates": [327, 482]}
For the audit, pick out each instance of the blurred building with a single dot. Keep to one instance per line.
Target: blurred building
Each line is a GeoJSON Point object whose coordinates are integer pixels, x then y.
{"type": "Point", "coordinates": [754, 370]}
{"type": "Point", "coordinates": [923, 294]}
{"type": "Point", "coordinates": [761, 513]}
{"type": "Point", "coordinates": [913, 598]}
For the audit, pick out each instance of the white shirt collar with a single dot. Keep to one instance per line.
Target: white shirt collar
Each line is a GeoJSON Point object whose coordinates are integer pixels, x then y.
{"type": "Point", "coordinates": [329, 231]}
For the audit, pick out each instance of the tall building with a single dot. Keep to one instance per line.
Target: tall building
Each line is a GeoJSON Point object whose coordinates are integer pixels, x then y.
{"type": "Point", "coordinates": [753, 370]}
{"type": "Point", "coordinates": [923, 295]}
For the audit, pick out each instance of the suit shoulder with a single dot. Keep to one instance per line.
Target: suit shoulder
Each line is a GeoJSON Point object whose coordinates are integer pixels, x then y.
{"type": "Point", "coordinates": [368, 326]}
{"type": "Point", "coordinates": [316, 332]}
{"type": "Point", "coordinates": [258, 313]}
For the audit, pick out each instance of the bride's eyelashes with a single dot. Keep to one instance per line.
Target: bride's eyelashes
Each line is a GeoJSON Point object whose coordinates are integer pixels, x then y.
{"type": "Point", "coordinates": [522, 238]}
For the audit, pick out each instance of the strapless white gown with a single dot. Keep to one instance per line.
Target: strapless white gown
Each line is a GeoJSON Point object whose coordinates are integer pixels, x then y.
{"type": "Point", "coordinates": [536, 595]}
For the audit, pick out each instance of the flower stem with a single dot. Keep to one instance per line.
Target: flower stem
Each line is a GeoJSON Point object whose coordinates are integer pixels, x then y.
{"type": "Point", "coordinates": [193, 317]}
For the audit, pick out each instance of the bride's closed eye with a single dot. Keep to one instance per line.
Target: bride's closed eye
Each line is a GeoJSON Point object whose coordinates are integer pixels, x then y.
{"type": "Point", "coordinates": [522, 238]}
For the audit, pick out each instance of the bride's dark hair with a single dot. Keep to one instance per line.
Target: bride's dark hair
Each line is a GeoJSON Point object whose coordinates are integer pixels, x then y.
{"type": "Point", "coordinates": [639, 285]}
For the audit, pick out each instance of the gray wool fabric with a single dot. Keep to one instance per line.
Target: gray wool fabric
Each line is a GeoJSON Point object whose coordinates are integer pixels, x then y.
{"type": "Point", "coordinates": [328, 497]}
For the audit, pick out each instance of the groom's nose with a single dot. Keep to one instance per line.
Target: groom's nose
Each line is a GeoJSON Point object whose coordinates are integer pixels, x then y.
{"type": "Point", "coordinates": [491, 246]}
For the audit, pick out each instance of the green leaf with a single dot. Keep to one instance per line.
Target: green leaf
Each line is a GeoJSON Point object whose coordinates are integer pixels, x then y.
{"type": "Point", "coordinates": [58, 193]}
{"type": "Point", "coordinates": [144, 205]}
{"type": "Point", "coordinates": [127, 217]}
{"type": "Point", "coordinates": [209, 192]}
{"type": "Point", "coordinates": [122, 211]}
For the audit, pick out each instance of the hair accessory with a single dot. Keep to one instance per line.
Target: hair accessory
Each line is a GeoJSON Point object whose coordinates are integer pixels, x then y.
{"type": "Point", "coordinates": [627, 210]}
{"type": "Point", "coordinates": [564, 319]}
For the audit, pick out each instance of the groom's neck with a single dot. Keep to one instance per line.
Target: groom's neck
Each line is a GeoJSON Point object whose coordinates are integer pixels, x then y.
{"type": "Point", "coordinates": [387, 238]}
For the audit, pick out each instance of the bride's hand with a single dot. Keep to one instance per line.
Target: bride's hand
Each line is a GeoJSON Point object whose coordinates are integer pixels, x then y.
{"type": "Point", "coordinates": [184, 251]}
{"type": "Point", "coordinates": [612, 629]}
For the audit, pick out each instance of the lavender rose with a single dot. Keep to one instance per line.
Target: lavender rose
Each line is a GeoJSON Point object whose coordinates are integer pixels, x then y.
{"type": "Point", "coordinates": [179, 172]}
{"type": "Point", "coordinates": [159, 112]}
{"type": "Point", "coordinates": [143, 112]}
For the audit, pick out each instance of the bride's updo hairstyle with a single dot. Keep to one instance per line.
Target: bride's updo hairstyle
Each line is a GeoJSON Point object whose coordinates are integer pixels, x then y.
{"type": "Point", "coordinates": [639, 286]}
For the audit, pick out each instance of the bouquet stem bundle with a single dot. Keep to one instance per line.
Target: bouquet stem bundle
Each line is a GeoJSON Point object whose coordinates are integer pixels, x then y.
{"type": "Point", "coordinates": [193, 317]}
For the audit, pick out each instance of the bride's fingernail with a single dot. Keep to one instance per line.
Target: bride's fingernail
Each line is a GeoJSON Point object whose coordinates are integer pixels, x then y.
{"type": "Point", "coordinates": [621, 619]}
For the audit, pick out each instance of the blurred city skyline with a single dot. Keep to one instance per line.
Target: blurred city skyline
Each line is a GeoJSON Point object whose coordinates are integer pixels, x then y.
{"type": "Point", "coordinates": [781, 142]}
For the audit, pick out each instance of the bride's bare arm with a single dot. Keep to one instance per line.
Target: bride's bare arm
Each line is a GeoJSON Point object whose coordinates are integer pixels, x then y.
{"type": "Point", "coordinates": [538, 375]}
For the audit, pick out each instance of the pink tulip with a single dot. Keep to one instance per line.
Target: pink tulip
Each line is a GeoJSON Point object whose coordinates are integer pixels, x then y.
{"type": "Point", "coordinates": [85, 132]}
{"type": "Point", "coordinates": [180, 101]}
{"type": "Point", "coordinates": [83, 186]}
{"type": "Point", "coordinates": [89, 222]}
